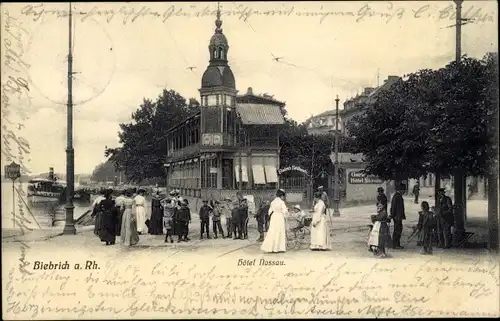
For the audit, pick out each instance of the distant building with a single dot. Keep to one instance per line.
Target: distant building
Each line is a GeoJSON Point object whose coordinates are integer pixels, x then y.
{"type": "Point", "coordinates": [358, 105]}
{"type": "Point", "coordinates": [323, 124]}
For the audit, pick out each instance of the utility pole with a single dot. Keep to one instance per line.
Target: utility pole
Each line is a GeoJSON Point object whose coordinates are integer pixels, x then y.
{"type": "Point", "coordinates": [336, 192]}
{"type": "Point", "coordinates": [459, 179]}
{"type": "Point", "coordinates": [69, 227]}
{"type": "Point", "coordinates": [240, 147]}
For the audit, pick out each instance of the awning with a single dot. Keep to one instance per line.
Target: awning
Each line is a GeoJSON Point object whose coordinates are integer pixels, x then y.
{"type": "Point", "coordinates": [260, 114]}
{"type": "Point", "coordinates": [258, 171]}
{"type": "Point", "coordinates": [244, 172]}
{"type": "Point", "coordinates": [271, 170]}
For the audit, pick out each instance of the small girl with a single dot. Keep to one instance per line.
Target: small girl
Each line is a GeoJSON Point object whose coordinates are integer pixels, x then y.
{"type": "Point", "coordinates": [426, 227]}
{"type": "Point", "coordinates": [379, 236]}
{"type": "Point", "coordinates": [169, 208]}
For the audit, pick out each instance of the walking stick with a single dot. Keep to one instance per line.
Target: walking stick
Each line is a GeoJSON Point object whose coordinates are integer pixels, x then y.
{"type": "Point", "coordinates": [413, 234]}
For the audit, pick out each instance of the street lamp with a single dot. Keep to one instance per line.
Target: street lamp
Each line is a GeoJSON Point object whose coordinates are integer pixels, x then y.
{"type": "Point", "coordinates": [336, 194]}
{"type": "Point", "coordinates": [69, 227]}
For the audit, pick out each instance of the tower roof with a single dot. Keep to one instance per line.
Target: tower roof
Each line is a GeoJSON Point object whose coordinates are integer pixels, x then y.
{"type": "Point", "coordinates": [218, 72]}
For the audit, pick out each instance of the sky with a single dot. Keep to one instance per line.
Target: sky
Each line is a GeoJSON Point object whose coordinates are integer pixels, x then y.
{"type": "Point", "coordinates": [125, 52]}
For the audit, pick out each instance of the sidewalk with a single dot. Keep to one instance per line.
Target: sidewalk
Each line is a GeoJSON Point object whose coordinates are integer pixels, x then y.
{"type": "Point", "coordinates": [351, 220]}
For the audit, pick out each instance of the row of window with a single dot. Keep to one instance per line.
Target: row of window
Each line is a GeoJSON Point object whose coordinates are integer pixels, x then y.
{"type": "Point", "coordinates": [263, 173]}
{"type": "Point", "coordinates": [217, 100]}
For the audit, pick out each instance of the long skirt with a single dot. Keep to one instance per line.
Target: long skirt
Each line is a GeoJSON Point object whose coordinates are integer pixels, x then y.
{"type": "Point", "coordinates": [140, 212]}
{"type": "Point", "coordinates": [275, 240]}
{"type": "Point", "coordinates": [380, 236]}
{"type": "Point", "coordinates": [107, 228]}
{"type": "Point", "coordinates": [156, 221]}
{"type": "Point", "coordinates": [98, 222]}
{"type": "Point", "coordinates": [320, 238]}
{"type": "Point", "coordinates": [128, 235]}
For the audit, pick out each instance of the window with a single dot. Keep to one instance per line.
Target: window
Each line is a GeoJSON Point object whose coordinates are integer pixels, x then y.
{"type": "Point", "coordinates": [211, 100]}
{"type": "Point", "coordinates": [209, 173]}
{"type": "Point", "coordinates": [211, 120]}
{"type": "Point", "coordinates": [259, 177]}
{"type": "Point", "coordinates": [270, 168]}
{"type": "Point", "coordinates": [227, 173]}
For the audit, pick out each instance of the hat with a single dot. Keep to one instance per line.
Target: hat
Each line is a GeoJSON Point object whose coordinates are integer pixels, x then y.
{"type": "Point", "coordinates": [401, 187]}
{"type": "Point", "coordinates": [297, 207]}
{"type": "Point", "coordinates": [205, 201]}
{"type": "Point", "coordinates": [380, 189]}
{"type": "Point", "coordinates": [441, 189]}
{"type": "Point", "coordinates": [172, 193]}
{"type": "Point", "coordinates": [320, 187]}
{"type": "Point", "coordinates": [280, 192]}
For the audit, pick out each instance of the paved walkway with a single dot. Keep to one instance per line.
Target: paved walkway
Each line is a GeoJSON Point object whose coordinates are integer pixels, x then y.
{"type": "Point", "coordinates": [349, 232]}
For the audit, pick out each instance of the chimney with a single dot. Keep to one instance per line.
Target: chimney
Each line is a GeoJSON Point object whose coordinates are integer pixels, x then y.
{"type": "Point", "coordinates": [249, 91]}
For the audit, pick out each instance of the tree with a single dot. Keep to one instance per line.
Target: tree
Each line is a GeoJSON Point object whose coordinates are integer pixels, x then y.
{"type": "Point", "coordinates": [144, 140]}
{"type": "Point", "coordinates": [435, 121]}
{"type": "Point", "coordinates": [104, 172]}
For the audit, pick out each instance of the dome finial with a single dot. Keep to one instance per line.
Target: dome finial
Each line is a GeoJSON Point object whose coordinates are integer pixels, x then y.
{"type": "Point", "coordinates": [218, 22]}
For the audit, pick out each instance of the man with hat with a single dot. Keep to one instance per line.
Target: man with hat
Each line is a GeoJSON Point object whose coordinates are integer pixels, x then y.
{"type": "Point", "coordinates": [324, 196]}
{"type": "Point", "coordinates": [381, 198]}
{"type": "Point", "coordinates": [398, 215]}
{"type": "Point", "coordinates": [444, 211]}
{"type": "Point", "coordinates": [205, 210]}
{"type": "Point", "coordinates": [261, 217]}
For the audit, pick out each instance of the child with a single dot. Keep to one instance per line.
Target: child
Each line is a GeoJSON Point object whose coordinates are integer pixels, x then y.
{"type": "Point", "coordinates": [169, 208]}
{"type": "Point", "coordinates": [426, 226]}
{"type": "Point", "coordinates": [379, 235]}
{"type": "Point", "coordinates": [216, 224]}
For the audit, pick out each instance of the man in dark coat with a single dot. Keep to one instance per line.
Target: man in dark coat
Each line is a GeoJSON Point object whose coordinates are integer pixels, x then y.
{"type": "Point", "coordinates": [416, 191]}
{"type": "Point", "coordinates": [244, 217]}
{"type": "Point", "coordinates": [182, 219]}
{"type": "Point", "coordinates": [205, 210]}
{"type": "Point", "coordinates": [261, 217]}
{"type": "Point", "coordinates": [398, 215]}
{"type": "Point", "coordinates": [444, 213]}
{"type": "Point", "coordinates": [381, 198]}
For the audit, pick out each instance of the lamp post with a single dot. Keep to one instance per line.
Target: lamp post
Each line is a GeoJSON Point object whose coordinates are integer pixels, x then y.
{"type": "Point", "coordinates": [336, 194]}
{"type": "Point", "coordinates": [240, 169]}
{"type": "Point", "coordinates": [69, 227]}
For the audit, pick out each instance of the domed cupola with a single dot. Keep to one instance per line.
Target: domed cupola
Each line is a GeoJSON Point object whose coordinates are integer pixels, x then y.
{"type": "Point", "coordinates": [218, 72]}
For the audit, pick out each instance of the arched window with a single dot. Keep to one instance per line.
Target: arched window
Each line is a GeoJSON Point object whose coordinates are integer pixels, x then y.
{"type": "Point", "coordinates": [215, 53]}
{"type": "Point", "coordinates": [221, 53]}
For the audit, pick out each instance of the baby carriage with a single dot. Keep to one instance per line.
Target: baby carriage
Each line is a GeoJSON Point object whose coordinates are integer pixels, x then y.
{"type": "Point", "coordinates": [297, 229]}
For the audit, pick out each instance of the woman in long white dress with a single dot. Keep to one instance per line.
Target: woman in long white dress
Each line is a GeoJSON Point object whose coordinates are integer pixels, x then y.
{"type": "Point", "coordinates": [320, 239]}
{"type": "Point", "coordinates": [140, 211]}
{"type": "Point", "coordinates": [275, 240]}
{"type": "Point", "coordinates": [128, 235]}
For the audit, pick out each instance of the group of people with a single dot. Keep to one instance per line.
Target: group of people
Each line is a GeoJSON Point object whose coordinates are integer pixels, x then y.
{"type": "Point", "coordinates": [434, 224]}
{"type": "Point", "coordinates": [124, 216]}
{"type": "Point", "coordinates": [276, 225]}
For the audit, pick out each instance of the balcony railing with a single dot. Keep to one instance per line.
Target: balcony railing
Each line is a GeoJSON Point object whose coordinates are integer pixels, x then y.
{"type": "Point", "coordinates": [186, 151]}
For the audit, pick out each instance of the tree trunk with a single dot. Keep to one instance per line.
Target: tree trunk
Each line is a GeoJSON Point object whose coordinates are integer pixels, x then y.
{"type": "Point", "coordinates": [437, 186]}
{"type": "Point", "coordinates": [493, 211]}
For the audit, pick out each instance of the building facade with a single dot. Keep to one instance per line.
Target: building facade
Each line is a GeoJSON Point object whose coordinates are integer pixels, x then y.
{"type": "Point", "coordinates": [358, 105]}
{"type": "Point", "coordinates": [323, 124]}
{"type": "Point", "coordinates": [232, 144]}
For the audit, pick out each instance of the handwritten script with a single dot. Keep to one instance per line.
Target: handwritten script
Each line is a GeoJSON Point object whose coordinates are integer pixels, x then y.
{"type": "Point", "coordinates": [384, 11]}
{"type": "Point", "coordinates": [143, 287]}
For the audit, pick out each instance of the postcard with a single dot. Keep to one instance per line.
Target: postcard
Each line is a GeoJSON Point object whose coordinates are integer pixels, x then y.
{"type": "Point", "coordinates": [328, 159]}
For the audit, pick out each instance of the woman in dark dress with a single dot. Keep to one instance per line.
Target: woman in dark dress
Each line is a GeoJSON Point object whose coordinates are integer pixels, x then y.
{"type": "Point", "coordinates": [156, 221]}
{"type": "Point", "coordinates": [108, 219]}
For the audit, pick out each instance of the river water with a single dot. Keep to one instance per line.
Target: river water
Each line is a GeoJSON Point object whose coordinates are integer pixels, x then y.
{"type": "Point", "coordinates": [41, 213]}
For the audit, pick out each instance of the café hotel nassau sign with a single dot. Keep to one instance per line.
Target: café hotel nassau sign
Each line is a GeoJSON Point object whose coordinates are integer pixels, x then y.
{"type": "Point", "coordinates": [361, 178]}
